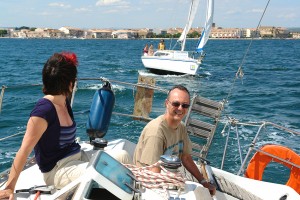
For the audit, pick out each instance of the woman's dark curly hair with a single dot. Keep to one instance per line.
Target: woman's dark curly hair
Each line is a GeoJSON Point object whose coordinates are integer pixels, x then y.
{"type": "Point", "coordinates": [59, 72]}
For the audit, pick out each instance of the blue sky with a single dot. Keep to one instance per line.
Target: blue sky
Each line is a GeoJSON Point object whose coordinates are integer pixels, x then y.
{"type": "Point", "coordinates": [143, 13]}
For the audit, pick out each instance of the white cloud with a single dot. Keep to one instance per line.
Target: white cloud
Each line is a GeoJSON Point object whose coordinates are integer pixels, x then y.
{"type": "Point", "coordinates": [233, 11]}
{"type": "Point", "coordinates": [44, 13]}
{"type": "Point", "coordinates": [111, 3]}
{"type": "Point", "coordinates": [111, 11]}
{"type": "Point", "coordinates": [255, 10]}
{"type": "Point", "coordinates": [81, 9]}
{"type": "Point", "coordinates": [114, 6]}
{"type": "Point", "coordinates": [62, 5]}
{"type": "Point", "coordinates": [146, 3]}
{"type": "Point", "coordinates": [160, 10]}
{"type": "Point", "coordinates": [288, 16]}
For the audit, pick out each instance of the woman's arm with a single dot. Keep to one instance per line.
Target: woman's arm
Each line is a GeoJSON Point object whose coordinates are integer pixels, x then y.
{"type": "Point", "coordinates": [36, 126]}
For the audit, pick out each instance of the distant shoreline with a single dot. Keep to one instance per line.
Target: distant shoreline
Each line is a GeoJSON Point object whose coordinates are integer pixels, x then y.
{"type": "Point", "coordinates": [147, 38]}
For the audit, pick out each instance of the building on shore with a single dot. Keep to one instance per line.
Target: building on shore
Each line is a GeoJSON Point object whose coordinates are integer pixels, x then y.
{"type": "Point", "coordinates": [217, 32]}
{"type": "Point", "coordinates": [226, 33]}
{"type": "Point", "coordinates": [71, 32]}
{"type": "Point", "coordinates": [98, 33]}
{"type": "Point", "coordinates": [273, 32]}
{"type": "Point", "coordinates": [295, 35]}
{"type": "Point", "coordinates": [125, 34]}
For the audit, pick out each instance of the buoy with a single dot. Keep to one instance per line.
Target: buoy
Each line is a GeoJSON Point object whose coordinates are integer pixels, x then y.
{"type": "Point", "coordinates": [259, 162]}
{"type": "Point", "coordinates": [100, 112]}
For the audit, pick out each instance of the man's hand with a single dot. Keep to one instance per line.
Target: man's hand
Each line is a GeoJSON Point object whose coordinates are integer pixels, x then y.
{"type": "Point", "coordinates": [210, 187]}
{"type": "Point", "coordinates": [6, 194]}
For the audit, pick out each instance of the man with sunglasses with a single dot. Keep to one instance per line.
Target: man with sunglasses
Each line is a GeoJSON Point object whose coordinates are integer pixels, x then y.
{"type": "Point", "coordinates": [167, 135]}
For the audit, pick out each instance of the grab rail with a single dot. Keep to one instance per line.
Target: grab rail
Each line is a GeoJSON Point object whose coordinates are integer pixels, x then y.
{"type": "Point", "coordinates": [231, 122]}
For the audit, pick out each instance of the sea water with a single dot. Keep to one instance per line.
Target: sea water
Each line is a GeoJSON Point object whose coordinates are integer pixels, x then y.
{"type": "Point", "coordinates": [268, 91]}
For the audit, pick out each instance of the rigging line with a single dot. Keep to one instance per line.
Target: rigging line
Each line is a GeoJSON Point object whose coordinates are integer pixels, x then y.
{"type": "Point", "coordinates": [1, 96]}
{"type": "Point", "coordinates": [239, 71]}
{"type": "Point", "coordinates": [22, 85]}
{"type": "Point", "coordinates": [1, 139]}
{"type": "Point", "coordinates": [283, 128]}
{"type": "Point", "coordinates": [133, 116]}
{"type": "Point", "coordinates": [131, 84]}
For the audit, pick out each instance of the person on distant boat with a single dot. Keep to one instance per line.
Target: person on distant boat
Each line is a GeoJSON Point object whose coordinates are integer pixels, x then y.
{"type": "Point", "coordinates": [167, 135]}
{"type": "Point", "coordinates": [161, 45]}
{"type": "Point", "coordinates": [151, 50]}
{"type": "Point", "coordinates": [51, 130]}
{"type": "Point", "coordinates": [145, 51]}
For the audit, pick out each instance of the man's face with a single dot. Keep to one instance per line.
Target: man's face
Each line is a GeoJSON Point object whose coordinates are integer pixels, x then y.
{"type": "Point", "coordinates": [177, 104]}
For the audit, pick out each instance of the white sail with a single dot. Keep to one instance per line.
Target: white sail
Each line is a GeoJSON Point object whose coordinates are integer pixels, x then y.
{"type": "Point", "coordinates": [191, 16]}
{"type": "Point", "coordinates": [207, 26]}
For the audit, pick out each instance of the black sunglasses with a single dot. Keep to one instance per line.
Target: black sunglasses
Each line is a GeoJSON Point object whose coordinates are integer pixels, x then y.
{"type": "Point", "coordinates": [177, 104]}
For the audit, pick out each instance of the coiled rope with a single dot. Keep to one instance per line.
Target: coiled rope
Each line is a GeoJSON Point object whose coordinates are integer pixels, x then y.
{"type": "Point", "coordinates": [157, 181]}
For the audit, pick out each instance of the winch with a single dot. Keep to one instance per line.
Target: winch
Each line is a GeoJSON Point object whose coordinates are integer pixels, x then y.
{"type": "Point", "coordinates": [170, 162]}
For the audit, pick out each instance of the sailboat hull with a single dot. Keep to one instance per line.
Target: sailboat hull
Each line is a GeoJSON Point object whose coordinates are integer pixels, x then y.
{"type": "Point", "coordinates": [100, 180]}
{"type": "Point", "coordinates": [171, 62]}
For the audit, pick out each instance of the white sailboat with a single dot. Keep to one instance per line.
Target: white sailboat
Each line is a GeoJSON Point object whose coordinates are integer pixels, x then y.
{"type": "Point", "coordinates": [182, 61]}
{"type": "Point", "coordinates": [106, 178]}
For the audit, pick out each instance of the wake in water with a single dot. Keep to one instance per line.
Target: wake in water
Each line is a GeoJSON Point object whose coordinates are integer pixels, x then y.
{"type": "Point", "coordinates": [149, 74]}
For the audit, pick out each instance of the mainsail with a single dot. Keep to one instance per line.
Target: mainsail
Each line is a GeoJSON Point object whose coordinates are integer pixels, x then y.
{"type": "Point", "coordinates": [191, 16]}
{"type": "Point", "coordinates": [207, 26]}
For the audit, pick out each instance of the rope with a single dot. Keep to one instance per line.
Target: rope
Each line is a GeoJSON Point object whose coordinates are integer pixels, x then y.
{"type": "Point", "coordinates": [150, 179]}
{"type": "Point", "coordinates": [240, 70]}
{"type": "Point", "coordinates": [1, 96]}
{"type": "Point", "coordinates": [133, 116]}
{"type": "Point", "coordinates": [1, 139]}
{"type": "Point", "coordinates": [73, 93]}
{"type": "Point", "coordinates": [14, 86]}
{"type": "Point", "coordinates": [283, 128]}
{"type": "Point", "coordinates": [21, 85]}
{"type": "Point", "coordinates": [131, 84]}
{"type": "Point", "coordinates": [37, 195]}
{"type": "Point", "coordinates": [231, 188]}
{"type": "Point", "coordinates": [154, 181]}
{"type": "Point", "coordinates": [101, 79]}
